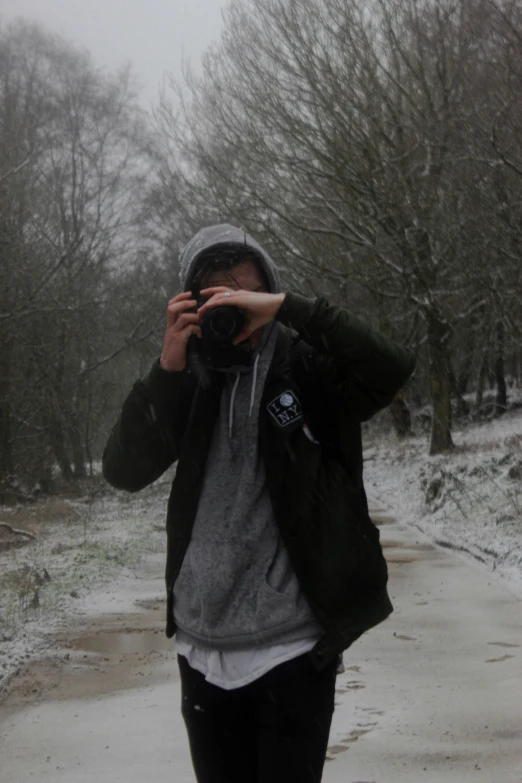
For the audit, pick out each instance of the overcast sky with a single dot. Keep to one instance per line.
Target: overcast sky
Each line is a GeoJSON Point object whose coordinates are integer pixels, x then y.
{"type": "Point", "coordinates": [151, 34]}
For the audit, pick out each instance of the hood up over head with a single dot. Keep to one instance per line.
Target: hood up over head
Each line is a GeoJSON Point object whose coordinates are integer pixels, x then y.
{"type": "Point", "coordinates": [198, 253]}
{"type": "Point", "coordinates": [224, 238]}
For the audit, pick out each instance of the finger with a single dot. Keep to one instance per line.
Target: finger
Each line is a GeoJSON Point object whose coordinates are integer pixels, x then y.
{"type": "Point", "coordinates": [244, 334]}
{"type": "Point", "coordinates": [218, 299]}
{"type": "Point", "coordinates": [179, 307]}
{"type": "Point", "coordinates": [189, 331]}
{"type": "Point", "coordinates": [217, 289]}
{"type": "Point", "coordinates": [174, 310]}
{"type": "Point", "coordinates": [184, 320]}
{"type": "Point", "coordinates": [181, 297]}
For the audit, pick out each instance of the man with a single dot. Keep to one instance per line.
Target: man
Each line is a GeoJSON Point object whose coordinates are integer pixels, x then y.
{"type": "Point", "coordinates": [273, 565]}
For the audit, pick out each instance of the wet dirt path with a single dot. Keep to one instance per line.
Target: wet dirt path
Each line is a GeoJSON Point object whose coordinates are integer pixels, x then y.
{"type": "Point", "coordinates": [433, 694]}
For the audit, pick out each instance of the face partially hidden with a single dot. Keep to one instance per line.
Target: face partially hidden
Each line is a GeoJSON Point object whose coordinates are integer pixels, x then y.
{"type": "Point", "coordinates": [245, 276]}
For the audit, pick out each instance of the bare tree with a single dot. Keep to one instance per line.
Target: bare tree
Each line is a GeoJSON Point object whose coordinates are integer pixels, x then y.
{"type": "Point", "coordinates": [346, 134]}
{"type": "Point", "coordinates": [73, 162]}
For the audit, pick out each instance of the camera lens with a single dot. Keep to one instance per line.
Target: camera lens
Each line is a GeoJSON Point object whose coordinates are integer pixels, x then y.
{"type": "Point", "coordinates": [222, 324]}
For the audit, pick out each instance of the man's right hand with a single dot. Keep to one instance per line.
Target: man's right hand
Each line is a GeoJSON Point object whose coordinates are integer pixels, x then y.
{"type": "Point", "coordinates": [180, 326]}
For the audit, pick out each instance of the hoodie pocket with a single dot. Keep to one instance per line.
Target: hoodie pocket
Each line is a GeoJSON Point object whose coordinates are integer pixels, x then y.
{"type": "Point", "coordinates": [277, 596]}
{"type": "Point", "coordinates": [274, 608]}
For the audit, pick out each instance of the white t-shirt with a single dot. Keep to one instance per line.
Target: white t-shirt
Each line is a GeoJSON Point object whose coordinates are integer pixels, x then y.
{"type": "Point", "coordinates": [236, 668]}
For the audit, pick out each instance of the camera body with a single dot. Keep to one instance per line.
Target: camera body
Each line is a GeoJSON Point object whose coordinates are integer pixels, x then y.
{"type": "Point", "coordinates": [215, 349]}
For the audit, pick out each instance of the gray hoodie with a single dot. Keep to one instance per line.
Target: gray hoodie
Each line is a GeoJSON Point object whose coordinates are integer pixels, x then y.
{"type": "Point", "coordinates": [236, 587]}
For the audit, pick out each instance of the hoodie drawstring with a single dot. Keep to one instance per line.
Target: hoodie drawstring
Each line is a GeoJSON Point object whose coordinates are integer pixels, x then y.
{"type": "Point", "coordinates": [231, 408]}
{"type": "Point", "coordinates": [254, 382]}
{"type": "Point", "coordinates": [233, 396]}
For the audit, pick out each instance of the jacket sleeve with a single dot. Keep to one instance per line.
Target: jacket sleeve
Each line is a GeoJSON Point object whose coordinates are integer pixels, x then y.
{"type": "Point", "coordinates": [364, 367]}
{"type": "Point", "coordinates": [145, 440]}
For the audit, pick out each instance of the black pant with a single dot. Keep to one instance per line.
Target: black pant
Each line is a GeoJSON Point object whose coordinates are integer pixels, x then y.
{"type": "Point", "coordinates": [274, 730]}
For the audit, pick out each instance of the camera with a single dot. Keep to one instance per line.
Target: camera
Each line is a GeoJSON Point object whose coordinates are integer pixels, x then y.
{"type": "Point", "coordinates": [221, 324]}
{"type": "Point", "coordinates": [215, 349]}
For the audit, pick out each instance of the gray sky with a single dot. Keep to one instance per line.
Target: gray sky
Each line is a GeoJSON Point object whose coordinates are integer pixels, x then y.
{"type": "Point", "coordinates": [151, 34]}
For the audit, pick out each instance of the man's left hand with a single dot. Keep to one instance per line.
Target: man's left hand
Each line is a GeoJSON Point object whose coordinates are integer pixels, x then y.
{"type": "Point", "coordinates": [259, 308]}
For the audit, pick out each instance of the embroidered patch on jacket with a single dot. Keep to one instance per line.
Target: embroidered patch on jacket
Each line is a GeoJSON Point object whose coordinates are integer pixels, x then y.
{"type": "Point", "coordinates": [285, 409]}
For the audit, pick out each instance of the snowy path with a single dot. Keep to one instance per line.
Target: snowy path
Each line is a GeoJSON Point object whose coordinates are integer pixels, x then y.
{"type": "Point", "coordinates": [434, 694]}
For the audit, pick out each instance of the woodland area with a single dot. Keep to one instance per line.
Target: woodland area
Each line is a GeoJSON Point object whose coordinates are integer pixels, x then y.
{"type": "Point", "coordinates": [373, 146]}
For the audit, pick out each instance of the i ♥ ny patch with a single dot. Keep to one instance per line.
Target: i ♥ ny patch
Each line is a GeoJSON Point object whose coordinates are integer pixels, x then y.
{"type": "Point", "coordinates": [285, 408]}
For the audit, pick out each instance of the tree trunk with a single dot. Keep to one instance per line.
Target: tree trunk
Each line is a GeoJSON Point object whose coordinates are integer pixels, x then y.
{"type": "Point", "coordinates": [6, 456]}
{"type": "Point", "coordinates": [501, 398]}
{"type": "Point", "coordinates": [78, 453]}
{"type": "Point", "coordinates": [484, 362]}
{"type": "Point", "coordinates": [440, 387]}
{"type": "Point", "coordinates": [514, 371]}
{"type": "Point", "coordinates": [465, 371]}
{"type": "Point", "coordinates": [401, 416]}
{"type": "Point", "coordinates": [45, 473]}
{"type": "Point", "coordinates": [462, 406]}
{"type": "Point", "coordinates": [57, 441]}
{"type": "Point", "coordinates": [87, 427]}
{"type": "Point", "coordinates": [6, 448]}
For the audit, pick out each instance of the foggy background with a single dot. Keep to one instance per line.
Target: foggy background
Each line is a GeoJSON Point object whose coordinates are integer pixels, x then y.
{"type": "Point", "coordinates": [152, 35]}
{"type": "Point", "coordinates": [374, 147]}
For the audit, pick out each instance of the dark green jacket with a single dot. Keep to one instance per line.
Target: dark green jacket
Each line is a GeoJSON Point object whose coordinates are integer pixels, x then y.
{"type": "Point", "coordinates": [341, 372]}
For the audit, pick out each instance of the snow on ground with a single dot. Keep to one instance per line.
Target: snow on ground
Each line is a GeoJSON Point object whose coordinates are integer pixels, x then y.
{"type": "Point", "coordinates": [82, 546]}
{"type": "Point", "coordinates": [469, 501]}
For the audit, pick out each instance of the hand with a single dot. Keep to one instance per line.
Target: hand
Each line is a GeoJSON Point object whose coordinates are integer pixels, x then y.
{"type": "Point", "coordinates": [180, 326]}
{"type": "Point", "coordinates": [259, 308]}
